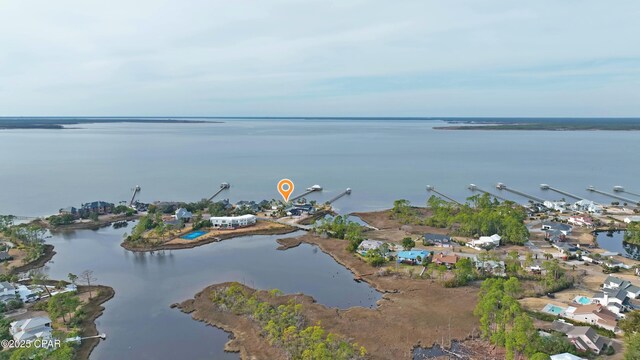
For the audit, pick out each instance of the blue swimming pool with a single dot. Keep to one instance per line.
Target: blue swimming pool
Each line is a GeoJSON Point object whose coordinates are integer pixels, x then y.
{"type": "Point", "coordinates": [583, 300]}
{"type": "Point", "coordinates": [193, 235]}
{"type": "Point", "coordinates": [552, 309]}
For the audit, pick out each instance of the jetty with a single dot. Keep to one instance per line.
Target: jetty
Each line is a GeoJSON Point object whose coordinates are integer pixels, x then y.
{"type": "Point", "coordinates": [311, 189]}
{"type": "Point", "coordinates": [346, 192]}
{"type": "Point", "coordinates": [620, 189]}
{"type": "Point", "coordinates": [135, 190]}
{"type": "Point", "coordinates": [431, 188]}
{"type": "Point", "coordinates": [501, 186]}
{"type": "Point", "coordinates": [567, 194]}
{"type": "Point", "coordinates": [474, 187]}
{"type": "Point", "coordinates": [223, 186]}
{"type": "Point", "coordinates": [614, 196]}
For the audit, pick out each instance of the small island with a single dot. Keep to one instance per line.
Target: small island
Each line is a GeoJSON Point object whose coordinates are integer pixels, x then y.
{"type": "Point", "coordinates": [446, 272]}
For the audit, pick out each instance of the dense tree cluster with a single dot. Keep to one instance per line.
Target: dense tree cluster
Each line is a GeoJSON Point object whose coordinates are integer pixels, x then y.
{"type": "Point", "coordinates": [504, 323]}
{"type": "Point", "coordinates": [631, 327]}
{"type": "Point", "coordinates": [285, 326]}
{"type": "Point", "coordinates": [30, 237]}
{"type": "Point", "coordinates": [480, 216]}
{"type": "Point", "coordinates": [632, 235]}
{"type": "Point", "coordinates": [59, 220]}
{"type": "Point", "coordinates": [341, 228]}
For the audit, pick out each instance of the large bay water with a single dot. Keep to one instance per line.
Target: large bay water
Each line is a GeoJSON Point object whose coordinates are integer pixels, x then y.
{"type": "Point", "coordinates": [44, 170]}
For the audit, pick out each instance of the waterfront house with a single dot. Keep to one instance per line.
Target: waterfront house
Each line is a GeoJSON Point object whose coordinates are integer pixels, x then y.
{"type": "Point", "coordinates": [233, 222]}
{"type": "Point", "coordinates": [587, 206]}
{"type": "Point", "coordinates": [630, 219]}
{"type": "Point", "coordinates": [485, 242]}
{"type": "Point", "coordinates": [438, 240]}
{"type": "Point", "coordinates": [594, 314]}
{"type": "Point", "coordinates": [551, 226]}
{"type": "Point", "coordinates": [7, 292]}
{"type": "Point", "coordinates": [69, 211]}
{"type": "Point", "coordinates": [560, 206]}
{"type": "Point", "coordinates": [448, 260]}
{"type": "Point", "coordinates": [412, 257]}
{"type": "Point", "coordinates": [250, 206]}
{"type": "Point", "coordinates": [4, 256]}
{"type": "Point", "coordinates": [581, 220]}
{"type": "Point", "coordinates": [31, 329]}
{"type": "Point", "coordinates": [96, 207]}
{"type": "Point", "coordinates": [368, 245]}
{"type": "Point", "coordinates": [183, 214]}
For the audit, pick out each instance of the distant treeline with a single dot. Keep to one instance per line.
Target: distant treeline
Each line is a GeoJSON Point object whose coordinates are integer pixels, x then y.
{"type": "Point", "coordinates": [59, 123]}
{"type": "Point", "coordinates": [558, 124]}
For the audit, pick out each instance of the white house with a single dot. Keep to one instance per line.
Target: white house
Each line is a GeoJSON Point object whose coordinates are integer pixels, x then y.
{"type": "Point", "coordinates": [588, 206]}
{"type": "Point", "coordinates": [631, 219]}
{"type": "Point", "coordinates": [367, 245]}
{"type": "Point", "coordinates": [183, 214]}
{"type": "Point", "coordinates": [31, 329]}
{"type": "Point", "coordinates": [485, 242]}
{"type": "Point", "coordinates": [614, 300]}
{"type": "Point", "coordinates": [559, 206]}
{"type": "Point", "coordinates": [581, 220]}
{"type": "Point", "coordinates": [595, 314]}
{"type": "Point", "coordinates": [232, 222]}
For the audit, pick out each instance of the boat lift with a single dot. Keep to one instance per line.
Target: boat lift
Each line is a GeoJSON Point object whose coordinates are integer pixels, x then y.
{"type": "Point", "coordinates": [223, 186]}
{"type": "Point", "coordinates": [135, 190]}
{"type": "Point", "coordinates": [629, 201]}
{"type": "Point", "coordinates": [311, 189]}
{"type": "Point", "coordinates": [620, 189]}
{"type": "Point", "coordinates": [346, 192]}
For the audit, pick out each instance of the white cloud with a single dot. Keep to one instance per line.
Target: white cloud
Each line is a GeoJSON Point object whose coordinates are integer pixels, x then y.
{"type": "Point", "coordinates": [283, 57]}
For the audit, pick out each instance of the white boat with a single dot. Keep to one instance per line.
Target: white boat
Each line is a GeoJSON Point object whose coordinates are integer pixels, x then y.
{"type": "Point", "coordinates": [315, 188]}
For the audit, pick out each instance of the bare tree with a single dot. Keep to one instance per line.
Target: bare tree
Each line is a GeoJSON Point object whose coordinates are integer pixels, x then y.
{"type": "Point", "coordinates": [87, 277]}
{"type": "Point", "coordinates": [40, 278]}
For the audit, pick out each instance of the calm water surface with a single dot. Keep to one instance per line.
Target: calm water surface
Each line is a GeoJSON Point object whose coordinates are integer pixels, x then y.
{"type": "Point", "coordinates": [612, 241]}
{"type": "Point", "coordinates": [44, 170]}
{"type": "Point", "coordinates": [139, 322]}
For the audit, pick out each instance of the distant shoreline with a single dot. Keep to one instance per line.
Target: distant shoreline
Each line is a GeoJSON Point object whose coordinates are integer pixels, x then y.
{"type": "Point", "coordinates": [544, 124]}
{"type": "Point", "coordinates": [60, 124]}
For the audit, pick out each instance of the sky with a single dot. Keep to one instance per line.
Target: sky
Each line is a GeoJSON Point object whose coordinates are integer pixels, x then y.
{"type": "Point", "coordinates": [578, 58]}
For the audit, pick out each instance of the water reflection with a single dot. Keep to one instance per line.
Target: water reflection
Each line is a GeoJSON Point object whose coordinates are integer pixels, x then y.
{"type": "Point", "coordinates": [147, 283]}
{"type": "Point", "coordinates": [614, 241]}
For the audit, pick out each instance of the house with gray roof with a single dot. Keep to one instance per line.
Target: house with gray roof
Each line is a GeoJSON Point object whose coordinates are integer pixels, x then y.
{"type": "Point", "coordinates": [556, 226]}
{"type": "Point", "coordinates": [585, 338]}
{"type": "Point", "coordinates": [31, 329]}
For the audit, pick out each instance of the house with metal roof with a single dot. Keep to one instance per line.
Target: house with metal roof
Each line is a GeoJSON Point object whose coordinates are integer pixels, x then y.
{"type": "Point", "coordinates": [31, 329]}
{"type": "Point", "coordinates": [368, 245]}
{"type": "Point", "coordinates": [412, 256]}
{"type": "Point", "coordinates": [438, 240]}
